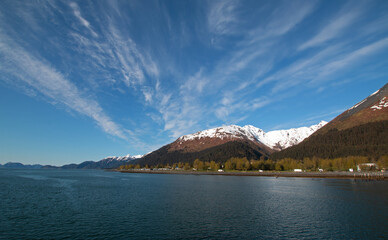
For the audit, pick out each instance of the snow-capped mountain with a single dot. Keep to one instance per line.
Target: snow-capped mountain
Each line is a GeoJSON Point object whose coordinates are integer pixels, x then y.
{"type": "Point", "coordinates": [281, 139]}
{"type": "Point", "coordinates": [108, 162]}
{"type": "Point", "coordinates": [127, 157]}
{"type": "Point", "coordinates": [276, 140]}
{"type": "Point", "coordinates": [222, 143]}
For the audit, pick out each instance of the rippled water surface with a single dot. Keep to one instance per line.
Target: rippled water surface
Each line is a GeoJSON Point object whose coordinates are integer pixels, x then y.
{"type": "Point", "coordinates": [66, 204]}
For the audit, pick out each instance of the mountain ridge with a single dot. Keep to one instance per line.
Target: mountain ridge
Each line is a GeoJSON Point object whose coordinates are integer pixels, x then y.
{"type": "Point", "coordinates": [21, 165]}
{"type": "Point", "coordinates": [361, 130]}
{"type": "Point", "coordinates": [371, 109]}
{"type": "Point", "coordinates": [353, 131]}
{"type": "Point", "coordinates": [222, 143]}
{"type": "Point", "coordinates": [105, 163]}
{"type": "Point", "coordinates": [276, 140]}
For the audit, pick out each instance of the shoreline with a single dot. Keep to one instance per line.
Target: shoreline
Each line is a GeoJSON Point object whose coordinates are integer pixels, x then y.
{"type": "Point", "coordinates": [372, 176]}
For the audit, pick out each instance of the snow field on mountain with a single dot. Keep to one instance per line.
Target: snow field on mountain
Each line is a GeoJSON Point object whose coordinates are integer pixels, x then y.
{"type": "Point", "coordinates": [272, 139]}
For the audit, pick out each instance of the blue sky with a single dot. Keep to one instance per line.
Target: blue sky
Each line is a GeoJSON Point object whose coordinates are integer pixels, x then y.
{"type": "Point", "coordinates": [82, 80]}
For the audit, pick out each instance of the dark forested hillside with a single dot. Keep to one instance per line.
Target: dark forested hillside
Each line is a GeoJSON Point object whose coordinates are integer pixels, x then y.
{"type": "Point", "coordinates": [362, 130]}
{"type": "Point", "coordinates": [369, 139]}
{"type": "Point", "coordinates": [220, 154]}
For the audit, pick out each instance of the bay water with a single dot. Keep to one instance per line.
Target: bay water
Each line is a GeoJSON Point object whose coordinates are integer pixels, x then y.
{"type": "Point", "coordinates": [96, 204]}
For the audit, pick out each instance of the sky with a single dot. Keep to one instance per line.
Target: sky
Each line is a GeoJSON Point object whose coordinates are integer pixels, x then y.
{"type": "Point", "coordinates": [83, 80]}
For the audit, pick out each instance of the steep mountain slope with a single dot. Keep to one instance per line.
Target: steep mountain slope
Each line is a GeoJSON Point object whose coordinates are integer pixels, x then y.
{"type": "Point", "coordinates": [360, 130]}
{"type": "Point", "coordinates": [374, 108]}
{"type": "Point", "coordinates": [222, 143]}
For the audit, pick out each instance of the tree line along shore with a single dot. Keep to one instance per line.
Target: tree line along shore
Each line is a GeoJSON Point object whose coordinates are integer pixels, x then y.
{"type": "Point", "coordinates": [363, 176]}
{"type": "Point", "coordinates": [313, 164]}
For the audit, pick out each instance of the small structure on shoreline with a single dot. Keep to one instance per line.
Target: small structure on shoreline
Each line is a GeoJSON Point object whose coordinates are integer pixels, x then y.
{"type": "Point", "coordinates": [367, 167]}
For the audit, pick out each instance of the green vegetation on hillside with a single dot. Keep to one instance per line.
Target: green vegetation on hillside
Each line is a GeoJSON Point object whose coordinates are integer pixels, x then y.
{"type": "Point", "coordinates": [369, 140]}
{"type": "Point", "coordinates": [336, 164]}
{"type": "Point", "coordinates": [333, 150]}
{"type": "Point", "coordinates": [220, 154]}
{"type": "Point", "coordinates": [287, 164]}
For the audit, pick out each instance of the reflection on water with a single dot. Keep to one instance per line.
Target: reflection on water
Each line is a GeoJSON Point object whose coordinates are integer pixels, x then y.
{"type": "Point", "coordinates": [98, 204]}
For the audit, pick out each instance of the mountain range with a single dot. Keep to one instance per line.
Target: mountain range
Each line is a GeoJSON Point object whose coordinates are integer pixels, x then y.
{"type": "Point", "coordinates": [225, 142]}
{"type": "Point", "coordinates": [274, 140]}
{"type": "Point", "coordinates": [106, 163]}
{"type": "Point", "coordinates": [361, 130]}
{"type": "Point", "coordinates": [221, 143]}
{"type": "Point", "coordinates": [20, 165]}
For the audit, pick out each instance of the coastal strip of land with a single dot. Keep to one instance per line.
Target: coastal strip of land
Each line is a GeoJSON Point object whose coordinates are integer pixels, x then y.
{"type": "Point", "coordinates": [372, 176]}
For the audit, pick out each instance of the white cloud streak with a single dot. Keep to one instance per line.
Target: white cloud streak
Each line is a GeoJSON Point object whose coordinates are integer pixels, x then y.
{"type": "Point", "coordinates": [251, 53]}
{"type": "Point", "coordinates": [185, 110]}
{"type": "Point", "coordinates": [38, 75]}
{"type": "Point", "coordinates": [122, 53]}
{"type": "Point", "coordinates": [222, 17]}
{"type": "Point", "coordinates": [83, 21]}
{"type": "Point", "coordinates": [258, 54]}
{"type": "Point", "coordinates": [333, 29]}
{"type": "Point", "coordinates": [319, 67]}
{"type": "Point", "coordinates": [281, 21]}
{"type": "Point", "coordinates": [350, 58]}
{"type": "Point", "coordinates": [118, 54]}
{"type": "Point", "coordinates": [108, 59]}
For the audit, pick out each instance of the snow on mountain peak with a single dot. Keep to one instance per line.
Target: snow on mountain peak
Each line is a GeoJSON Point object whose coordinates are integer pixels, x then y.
{"type": "Point", "coordinates": [281, 139]}
{"type": "Point", "coordinates": [122, 158]}
{"type": "Point", "coordinates": [276, 140]}
{"type": "Point", "coordinates": [230, 131]}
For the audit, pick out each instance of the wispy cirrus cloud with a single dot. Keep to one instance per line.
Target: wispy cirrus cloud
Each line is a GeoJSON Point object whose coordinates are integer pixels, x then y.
{"type": "Point", "coordinates": [182, 111]}
{"type": "Point", "coordinates": [280, 21]}
{"type": "Point", "coordinates": [186, 110]}
{"type": "Point", "coordinates": [255, 54]}
{"type": "Point", "coordinates": [82, 20]}
{"type": "Point", "coordinates": [336, 26]}
{"type": "Point", "coordinates": [105, 58]}
{"type": "Point", "coordinates": [40, 76]}
{"type": "Point", "coordinates": [319, 67]}
{"type": "Point", "coordinates": [262, 39]}
{"type": "Point", "coordinates": [222, 17]}
{"type": "Point", "coordinates": [149, 59]}
{"type": "Point", "coordinates": [349, 59]}
{"type": "Point", "coordinates": [194, 84]}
